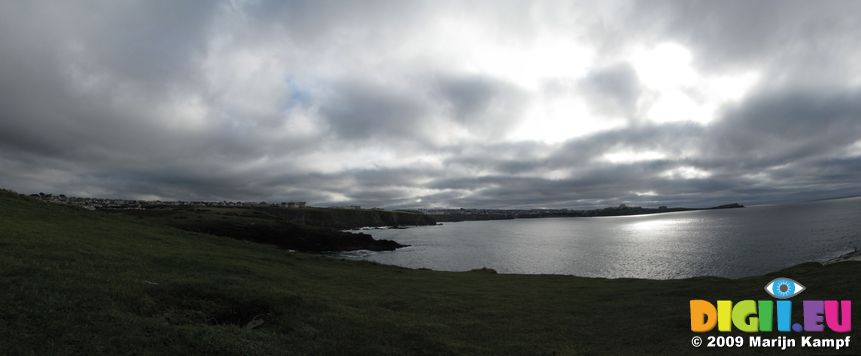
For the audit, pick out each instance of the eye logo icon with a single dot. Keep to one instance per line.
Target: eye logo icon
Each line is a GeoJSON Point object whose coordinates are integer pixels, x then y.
{"type": "Point", "coordinates": [783, 288]}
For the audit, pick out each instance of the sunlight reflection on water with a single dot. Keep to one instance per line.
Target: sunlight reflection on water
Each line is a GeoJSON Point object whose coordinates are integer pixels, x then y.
{"type": "Point", "coordinates": [729, 243]}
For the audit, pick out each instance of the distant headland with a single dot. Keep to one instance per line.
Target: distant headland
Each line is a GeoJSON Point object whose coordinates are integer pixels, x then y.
{"type": "Point", "coordinates": [431, 216]}
{"type": "Point", "coordinates": [453, 215]}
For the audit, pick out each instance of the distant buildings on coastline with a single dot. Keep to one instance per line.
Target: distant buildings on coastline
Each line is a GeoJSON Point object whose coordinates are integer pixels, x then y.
{"type": "Point", "coordinates": [499, 214]}
{"type": "Point", "coordinates": [527, 212]}
{"type": "Point", "coordinates": [520, 212]}
{"type": "Point", "coordinates": [127, 204]}
{"type": "Point", "coordinates": [438, 214]}
{"type": "Point", "coordinates": [293, 204]}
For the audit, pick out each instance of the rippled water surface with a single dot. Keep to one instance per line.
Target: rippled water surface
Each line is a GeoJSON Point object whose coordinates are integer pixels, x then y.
{"type": "Point", "coordinates": [728, 243]}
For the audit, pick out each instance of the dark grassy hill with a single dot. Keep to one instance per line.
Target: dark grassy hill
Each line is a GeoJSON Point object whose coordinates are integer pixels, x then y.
{"type": "Point", "coordinates": [318, 217]}
{"type": "Point", "coordinates": [264, 225]}
{"type": "Point", "coordinates": [349, 218]}
{"type": "Point", "coordinates": [305, 229]}
{"type": "Point", "coordinates": [80, 282]}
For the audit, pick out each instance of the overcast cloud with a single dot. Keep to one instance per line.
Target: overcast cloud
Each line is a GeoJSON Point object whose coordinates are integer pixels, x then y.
{"type": "Point", "coordinates": [492, 104]}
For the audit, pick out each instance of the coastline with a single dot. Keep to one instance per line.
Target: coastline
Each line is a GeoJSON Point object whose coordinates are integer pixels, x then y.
{"type": "Point", "coordinates": [855, 255]}
{"type": "Point", "coordinates": [92, 283]}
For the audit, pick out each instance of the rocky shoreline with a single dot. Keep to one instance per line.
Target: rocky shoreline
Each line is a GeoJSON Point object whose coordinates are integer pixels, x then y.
{"type": "Point", "coordinates": [855, 255]}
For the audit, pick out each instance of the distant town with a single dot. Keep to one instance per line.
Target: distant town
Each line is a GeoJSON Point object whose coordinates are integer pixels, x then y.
{"type": "Point", "coordinates": [127, 204]}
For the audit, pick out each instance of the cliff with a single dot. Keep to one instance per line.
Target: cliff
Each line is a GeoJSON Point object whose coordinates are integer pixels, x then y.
{"type": "Point", "coordinates": [348, 218]}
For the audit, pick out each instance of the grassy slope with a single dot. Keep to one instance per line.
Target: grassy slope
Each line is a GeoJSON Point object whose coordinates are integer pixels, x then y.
{"type": "Point", "coordinates": [77, 282]}
{"type": "Point", "coordinates": [319, 217]}
{"type": "Point", "coordinates": [281, 227]}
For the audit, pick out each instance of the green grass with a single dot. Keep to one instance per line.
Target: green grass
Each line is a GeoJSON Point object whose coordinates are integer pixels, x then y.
{"type": "Point", "coordinates": [310, 216]}
{"type": "Point", "coordinates": [80, 282]}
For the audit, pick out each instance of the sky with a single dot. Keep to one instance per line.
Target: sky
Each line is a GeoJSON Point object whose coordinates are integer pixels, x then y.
{"type": "Point", "coordinates": [404, 104]}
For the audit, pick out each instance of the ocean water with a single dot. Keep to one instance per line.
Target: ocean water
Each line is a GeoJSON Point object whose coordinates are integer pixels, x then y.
{"type": "Point", "coordinates": [726, 243]}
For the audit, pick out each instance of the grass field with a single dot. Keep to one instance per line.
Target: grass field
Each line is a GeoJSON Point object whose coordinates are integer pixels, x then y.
{"type": "Point", "coordinates": [81, 282]}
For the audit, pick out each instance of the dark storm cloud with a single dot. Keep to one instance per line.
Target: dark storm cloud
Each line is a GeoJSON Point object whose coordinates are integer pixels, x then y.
{"type": "Point", "coordinates": [613, 89]}
{"type": "Point", "coordinates": [365, 111]}
{"type": "Point", "coordinates": [407, 104]}
{"type": "Point", "coordinates": [480, 103]}
{"type": "Point", "coordinates": [777, 128]}
{"type": "Point", "coordinates": [415, 108]}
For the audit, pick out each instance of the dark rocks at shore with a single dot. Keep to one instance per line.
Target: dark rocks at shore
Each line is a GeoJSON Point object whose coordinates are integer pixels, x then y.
{"type": "Point", "coordinates": [854, 255]}
{"type": "Point", "coordinates": [729, 206]}
{"type": "Point", "coordinates": [360, 241]}
{"type": "Point", "coordinates": [294, 236]}
{"type": "Point", "coordinates": [484, 270]}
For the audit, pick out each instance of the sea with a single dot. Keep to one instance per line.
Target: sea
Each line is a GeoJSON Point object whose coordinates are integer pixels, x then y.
{"type": "Point", "coordinates": [724, 243]}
